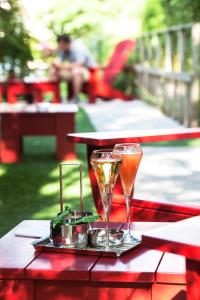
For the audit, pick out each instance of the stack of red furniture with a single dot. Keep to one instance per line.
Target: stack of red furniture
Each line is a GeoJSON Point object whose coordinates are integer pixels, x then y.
{"type": "Point", "coordinates": [33, 89]}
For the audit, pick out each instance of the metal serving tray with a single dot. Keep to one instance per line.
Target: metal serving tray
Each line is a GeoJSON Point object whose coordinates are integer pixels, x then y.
{"type": "Point", "coordinates": [44, 244]}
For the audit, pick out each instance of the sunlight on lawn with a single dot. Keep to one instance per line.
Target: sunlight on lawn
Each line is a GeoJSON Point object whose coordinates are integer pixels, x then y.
{"type": "Point", "coordinates": [71, 190]}
{"type": "Point", "coordinates": [2, 170]}
{"type": "Point", "coordinates": [71, 186]}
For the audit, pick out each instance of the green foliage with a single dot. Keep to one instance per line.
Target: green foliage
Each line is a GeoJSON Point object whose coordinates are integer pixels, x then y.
{"type": "Point", "coordinates": [163, 13]}
{"type": "Point", "coordinates": [14, 39]}
{"type": "Point", "coordinates": [181, 11]}
{"type": "Point", "coordinates": [59, 220]}
{"type": "Point", "coordinates": [153, 17]}
{"type": "Point", "coordinates": [99, 23]}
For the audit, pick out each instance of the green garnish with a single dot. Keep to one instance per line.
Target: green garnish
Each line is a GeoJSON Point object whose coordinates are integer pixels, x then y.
{"type": "Point", "coordinates": [60, 219]}
{"type": "Point", "coordinates": [84, 220]}
{"type": "Point", "coordinates": [67, 213]}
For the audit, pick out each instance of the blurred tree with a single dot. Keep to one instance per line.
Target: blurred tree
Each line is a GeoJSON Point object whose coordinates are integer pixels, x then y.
{"type": "Point", "coordinates": [163, 13]}
{"type": "Point", "coordinates": [14, 39]}
{"type": "Point", "coordinates": [153, 17]}
{"type": "Point", "coordinates": [181, 11]}
{"type": "Point", "coordinates": [99, 23]}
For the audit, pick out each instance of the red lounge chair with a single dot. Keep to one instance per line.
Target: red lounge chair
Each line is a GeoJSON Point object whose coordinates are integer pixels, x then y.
{"type": "Point", "coordinates": [100, 85]}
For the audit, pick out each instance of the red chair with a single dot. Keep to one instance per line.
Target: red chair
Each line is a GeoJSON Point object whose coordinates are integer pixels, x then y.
{"type": "Point", "coordinates": [15, 89]}
{"type": "Point", "coordinates": [39, 88]}
{"type": "Point", "coordinates": [33, 89]}
{"type": "Point", "coordinates": [100, 85]}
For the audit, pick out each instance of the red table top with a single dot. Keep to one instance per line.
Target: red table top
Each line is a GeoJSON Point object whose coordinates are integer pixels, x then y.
{"type": "Point", "coordinates": [180, 237]}
{"type": "Point", "coordinates": [19, 259]}
{"type": "Point", "coordinates": [138, 136]}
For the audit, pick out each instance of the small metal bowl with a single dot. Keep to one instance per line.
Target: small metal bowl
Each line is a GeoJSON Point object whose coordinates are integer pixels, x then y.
{"type": "Point", "coordinates": [97, 237]}
{"type": "Point", "coordinates": [70, 235]}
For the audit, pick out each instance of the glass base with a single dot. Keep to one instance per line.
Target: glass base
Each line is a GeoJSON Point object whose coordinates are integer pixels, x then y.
{"type": "Point", "coordinates": [132, 238]}
{"type": "Point", "coordinates": [97, 238]}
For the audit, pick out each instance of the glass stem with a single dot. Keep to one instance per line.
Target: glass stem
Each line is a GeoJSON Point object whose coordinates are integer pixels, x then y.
{"type": "Point", "coordinates": [128, 210]}
{"type": "Point", "coordinates": [107, 217]}
{"type": "Point", "coordinates": [128, 214]}
{"type": "Point", "coordinates": [107, 227]}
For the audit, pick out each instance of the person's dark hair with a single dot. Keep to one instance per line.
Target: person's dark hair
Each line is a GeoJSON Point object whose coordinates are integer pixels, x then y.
{"type": "Point", "coordinates": [63, 38]}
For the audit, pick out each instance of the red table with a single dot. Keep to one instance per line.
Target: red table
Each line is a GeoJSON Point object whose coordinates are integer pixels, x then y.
{"type": "Point", "coordinates": [150, 210]}
{"type": "Point", "coordinates": [181, 238]}
{"type": "Point", "coordinates": [18, 120]}
{"type": "Point", "coordinates": [138, 275]}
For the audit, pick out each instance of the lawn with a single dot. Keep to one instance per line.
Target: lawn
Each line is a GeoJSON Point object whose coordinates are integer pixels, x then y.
{"type": "Point", "coordinates": [30, 189]}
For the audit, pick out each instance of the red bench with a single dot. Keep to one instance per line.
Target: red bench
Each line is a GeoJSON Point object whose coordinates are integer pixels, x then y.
{"type": "Point", "coordinates": [181, 238]}
{"type": "Point", "coordinates": [147, 209]}
{"type": "Point", "coordinates": [18, 120]}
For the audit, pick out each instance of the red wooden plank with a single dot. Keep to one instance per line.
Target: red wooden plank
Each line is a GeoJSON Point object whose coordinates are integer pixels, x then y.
{"type": "Point", "coordinates": [146, 210]}
{"type": "Point", "coordinates": [168, 292]}
{"type": "Point", "coordinates": [139, 136]}
{"type": "Point", "coordinates": [180, 237]}
{"type": "Point", "coordinates": [144, 214]}
{"type": "Point", "coordinates": [61, 266]}
{"type": "Point", "coordinates": [138, 265]}
{"type": "Point", "coordinates": [16, 290]}
{"type": "Point", "coordinates": [15, 253]}
{"type": "Point", "coordinates": [30, 124]}
{"type": "Point", "coordinates": [172, 269]}
{"type": "Point", "coordinates": [34, 228]}
{"type": "Point", "coordinates": [64, 290]}
{"type": "Point", "coordinates": [193, 279]}
{"type": "Point", "coordinates": [10, 124]}
{"type": "Point", "coordinates": [167, 206]}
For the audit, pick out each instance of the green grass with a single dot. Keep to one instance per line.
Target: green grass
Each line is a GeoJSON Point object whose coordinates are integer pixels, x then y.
{"type": "Point", "coordinates": [30, 189]}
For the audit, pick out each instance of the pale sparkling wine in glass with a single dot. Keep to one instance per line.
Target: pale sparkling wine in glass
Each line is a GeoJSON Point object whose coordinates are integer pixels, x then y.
{"type": "Point", "coordinates": [131, 155]}
{"type": "Point", "coordinates": [106, 168]}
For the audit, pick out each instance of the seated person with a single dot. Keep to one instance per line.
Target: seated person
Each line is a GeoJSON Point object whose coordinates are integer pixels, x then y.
{"type": "Point", "coordinates": [72, 63]}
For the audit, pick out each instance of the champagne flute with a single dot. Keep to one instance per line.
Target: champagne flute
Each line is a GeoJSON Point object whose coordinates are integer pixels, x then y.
{"type": "Point", "coordinates": [106, 168]}
{"type": "Point", "coordinates": [131, 155]}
